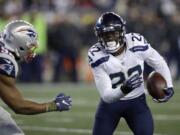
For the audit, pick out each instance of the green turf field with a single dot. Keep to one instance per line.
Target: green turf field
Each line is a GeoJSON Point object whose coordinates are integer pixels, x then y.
{"type": "Point", "coordinates": [79, 120]}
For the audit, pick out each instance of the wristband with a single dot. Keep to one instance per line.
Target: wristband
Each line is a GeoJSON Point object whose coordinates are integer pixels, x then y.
{"type": "Point", "coordinates": [51, 107]}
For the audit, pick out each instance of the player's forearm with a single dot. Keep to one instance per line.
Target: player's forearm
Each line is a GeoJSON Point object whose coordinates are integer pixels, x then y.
{"type": "Point", "coordinates": [104, 86]}
{"type": "Point", "coordinates": [112, 95]}
{"type": "Point", "coordinates": [107, 93]}
{"type": "Point", "coordinates": [163, 69]}
{"type": "Point", "coordinates": [30, 108]}
{"type": "Point", "coordinates": [155, 60]}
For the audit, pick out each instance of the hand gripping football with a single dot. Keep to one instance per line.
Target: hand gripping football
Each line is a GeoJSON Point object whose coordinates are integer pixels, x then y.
{"type": "Point", "coordinates": [155, 85]}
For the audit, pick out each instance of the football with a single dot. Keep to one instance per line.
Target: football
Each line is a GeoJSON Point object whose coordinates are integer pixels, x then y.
{"type": "Point", "coordinates": [155, 85]}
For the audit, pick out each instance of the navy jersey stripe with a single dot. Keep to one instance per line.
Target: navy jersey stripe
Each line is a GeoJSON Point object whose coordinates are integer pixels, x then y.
{"type": "Point", "coordinates": [139, 48]}
{"type": "Point", "coordinates": [100, 61]}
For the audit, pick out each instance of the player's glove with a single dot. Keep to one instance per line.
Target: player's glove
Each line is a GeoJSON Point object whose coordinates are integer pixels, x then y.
{"type": "Point", "coordinates": [169, 93]}
{"type": "Point", "coordinates": [131, 84]}
{"type": "Point", "coordinates": [61, 103]}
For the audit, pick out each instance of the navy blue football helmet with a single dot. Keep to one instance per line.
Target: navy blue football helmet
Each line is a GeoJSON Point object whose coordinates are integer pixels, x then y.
{"type": "Point", "coordinates": [110, 30]}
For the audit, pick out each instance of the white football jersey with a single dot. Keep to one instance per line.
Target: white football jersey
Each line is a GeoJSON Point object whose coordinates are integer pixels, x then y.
{"type": "Point", "coordinates": [111, 71]}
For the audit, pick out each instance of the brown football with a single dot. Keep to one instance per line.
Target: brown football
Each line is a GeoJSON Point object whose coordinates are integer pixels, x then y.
{"type": "Point", "coordinates": [155, 85]}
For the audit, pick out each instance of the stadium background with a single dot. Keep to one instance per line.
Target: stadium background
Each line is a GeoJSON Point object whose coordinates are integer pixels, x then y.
{"type": "Point", "coordinates": [65, 30]}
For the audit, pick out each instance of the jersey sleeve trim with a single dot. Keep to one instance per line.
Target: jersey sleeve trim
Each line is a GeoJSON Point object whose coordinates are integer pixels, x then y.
{"type": "Point", "coordinates": [5, 73]}
{"type": "Point", "coordinates": [99, 61]}
{"type": "Point", "coordinates": [139, 48]}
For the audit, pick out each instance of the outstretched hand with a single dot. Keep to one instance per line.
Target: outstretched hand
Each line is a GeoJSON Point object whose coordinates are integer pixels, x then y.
{"type": "Point", "coordinates": [63, 102]}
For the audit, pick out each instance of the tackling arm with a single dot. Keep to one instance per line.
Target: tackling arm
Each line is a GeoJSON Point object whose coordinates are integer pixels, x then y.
{"type": "Point", "coordinates": [14, 99]}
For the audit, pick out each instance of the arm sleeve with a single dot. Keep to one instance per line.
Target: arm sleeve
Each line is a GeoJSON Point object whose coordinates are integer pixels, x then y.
{"type": "Point", "coordinates": [155, 60]}
{"type": "Point", "coordinates": [104, 86]}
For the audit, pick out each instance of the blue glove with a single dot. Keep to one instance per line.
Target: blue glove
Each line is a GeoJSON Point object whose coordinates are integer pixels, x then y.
{"type": "Point", "coordinates": [63, 102]}
{"type": "Point", "coordinates": [131, 84]}
{"type": "Point", "coordinates": [169, 93]}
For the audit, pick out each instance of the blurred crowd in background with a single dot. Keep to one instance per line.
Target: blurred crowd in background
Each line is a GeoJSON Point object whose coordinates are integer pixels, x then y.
{"type": "Point", "coordinates": [66, 31]}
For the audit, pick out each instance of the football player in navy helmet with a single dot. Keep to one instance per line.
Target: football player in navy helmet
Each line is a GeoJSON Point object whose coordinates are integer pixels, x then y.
{"type": "Point", "coordinates": [117, 63]}
{"type": "Point", "coordinates": [18, 43]}
{"type": "Point", "coordinates": [110, 30]}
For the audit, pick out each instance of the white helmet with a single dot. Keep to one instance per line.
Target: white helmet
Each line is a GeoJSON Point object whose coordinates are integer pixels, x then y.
{"type": "Point", "coordinates": [20, 37]}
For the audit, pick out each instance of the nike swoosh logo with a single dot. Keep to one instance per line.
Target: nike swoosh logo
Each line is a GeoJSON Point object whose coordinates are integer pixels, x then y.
{"type": "Point", "coordinates": [64, 102]}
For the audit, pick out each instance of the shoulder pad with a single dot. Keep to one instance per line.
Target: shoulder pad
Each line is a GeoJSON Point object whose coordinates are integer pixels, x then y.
{"type": "Point", "coordinates": [97, 56]}
{"type": "Point", "coordinates": [8, 65]}
{"type": "Point", "coordinates": [136, 42]}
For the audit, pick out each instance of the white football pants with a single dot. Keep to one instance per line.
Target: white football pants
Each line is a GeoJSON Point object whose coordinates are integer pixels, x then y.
{"type": "Point", "coordinates": [7, 125]}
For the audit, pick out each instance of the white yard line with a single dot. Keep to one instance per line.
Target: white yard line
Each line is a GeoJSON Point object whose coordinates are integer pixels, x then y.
{"type": "Point", "coordinates": [167, 117]}
{"type": "Point", "coordinates": [62, 120]}
{"type": "Point", "coordinates": [70, 130]}
{"type": "Point", "coordinates": [72, 118]}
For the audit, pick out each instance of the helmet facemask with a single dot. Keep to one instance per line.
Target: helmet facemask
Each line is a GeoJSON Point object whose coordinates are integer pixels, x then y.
{"type": "Point", "coordinates": [29, 53]}
{"type": "Point", "coordinates": [112, 40]}
{"type": "Point", "coordinates": [110, 30]}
